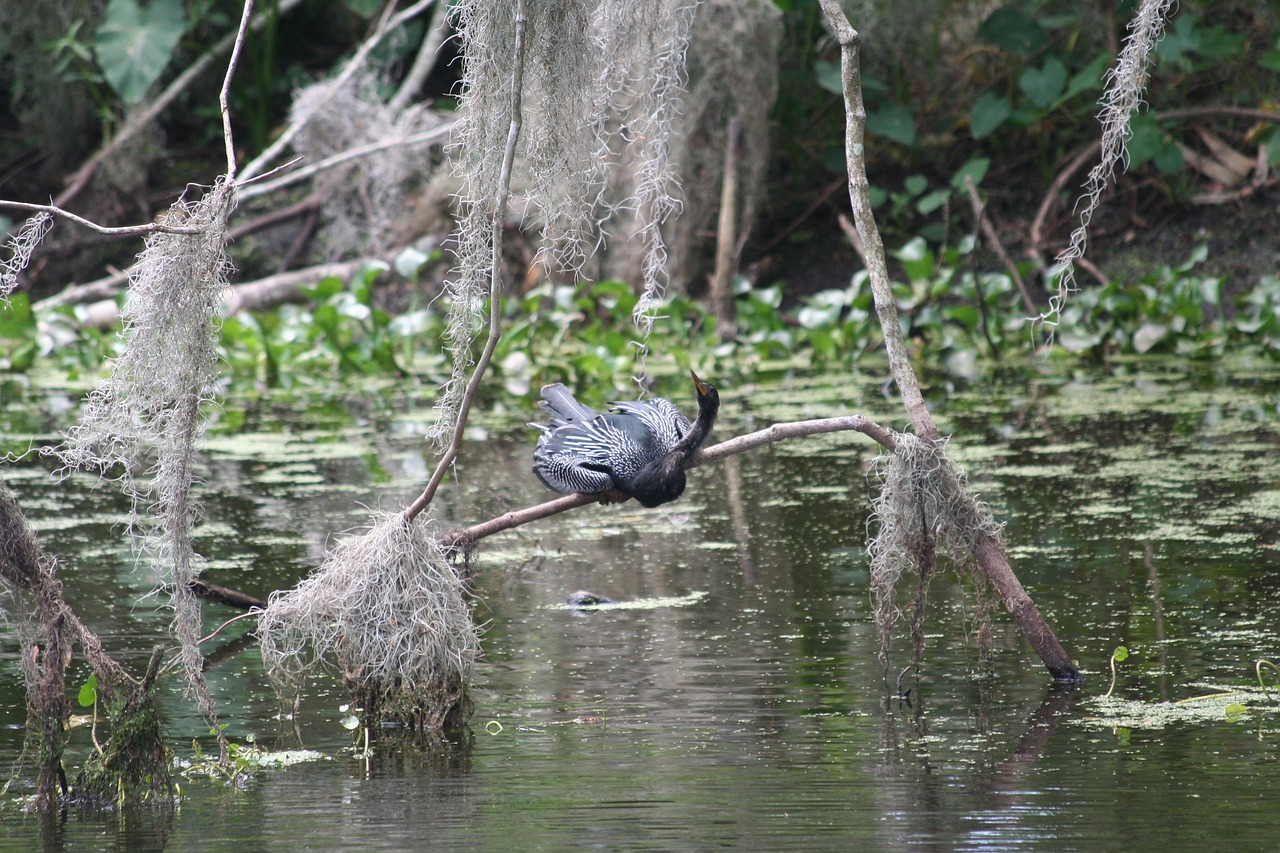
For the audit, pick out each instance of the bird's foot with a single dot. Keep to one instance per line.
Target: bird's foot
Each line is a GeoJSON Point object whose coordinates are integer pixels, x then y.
{"type": "Point", "coordinates": [614, 496]}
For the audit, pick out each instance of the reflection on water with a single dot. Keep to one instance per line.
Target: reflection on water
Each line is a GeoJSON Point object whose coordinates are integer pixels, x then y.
{"type": "Point", "coordinates": [749, 708]}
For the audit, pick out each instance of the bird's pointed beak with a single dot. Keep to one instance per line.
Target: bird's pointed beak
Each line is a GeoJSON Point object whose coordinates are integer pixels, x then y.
{"type": "Point", "coordinates": [698, 384]}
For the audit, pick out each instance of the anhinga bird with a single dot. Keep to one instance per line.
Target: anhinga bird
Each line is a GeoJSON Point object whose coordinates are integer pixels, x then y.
{"type": "Point", "coordinates": [638, 449]}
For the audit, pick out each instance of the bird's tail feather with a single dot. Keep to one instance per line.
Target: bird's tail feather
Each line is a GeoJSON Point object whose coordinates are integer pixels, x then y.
{"type": "Point", "coordinates": [559, 401]}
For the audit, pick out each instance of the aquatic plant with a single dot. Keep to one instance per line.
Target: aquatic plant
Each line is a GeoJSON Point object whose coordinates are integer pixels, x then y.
{"type": "Point", "coordinates": [1120, 655]}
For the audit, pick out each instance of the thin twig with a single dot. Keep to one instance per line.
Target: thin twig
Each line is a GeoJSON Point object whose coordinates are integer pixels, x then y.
{"type": "Point", "coordinates": [993, 237]}
{"type": "Point", "coordinates": [855, 239]}
{"type": "Point", "coordinates": [227, 137]}
{"type": "Point", "coordinates": [117, 231]}
{"type": "Point", "coordinates": [257, 189]}
{"type": "Point", "coordinates": [499, 216]}
{"type": "Point", "coordinates": [218, 630]}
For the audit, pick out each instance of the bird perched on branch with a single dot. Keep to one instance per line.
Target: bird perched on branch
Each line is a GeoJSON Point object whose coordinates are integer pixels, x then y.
{"type": "Point", "coordinates": [638, 450]}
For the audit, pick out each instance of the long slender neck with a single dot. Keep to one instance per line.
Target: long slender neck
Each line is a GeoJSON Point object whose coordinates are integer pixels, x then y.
{"type": "Point", "coordinates": [708, 408]}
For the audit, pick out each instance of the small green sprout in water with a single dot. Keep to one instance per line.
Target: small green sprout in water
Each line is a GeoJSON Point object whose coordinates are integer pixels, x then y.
{"type": "Point", "coordinates": [1120, 655]}
{"type": "Point", "coordinates": [88, 698]}
{"type": "Point", "coordinates": [351, 722]}
{"type": "Point", "coordinates": [1257, 667]}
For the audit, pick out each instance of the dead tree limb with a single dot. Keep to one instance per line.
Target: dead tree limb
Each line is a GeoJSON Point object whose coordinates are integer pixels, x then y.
{"type": "Point", "coordinates": [726, 237]}
{"type": "Point", "coordinates": [497, 223]}
{"type": "Point", "coordinates": [464, 537]}
{"type": "Point", "coordinates": [993, 237]}
{"type": "Point", "coordinates": [987, 550]}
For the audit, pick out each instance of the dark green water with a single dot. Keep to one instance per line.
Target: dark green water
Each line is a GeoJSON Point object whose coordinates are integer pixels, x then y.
{"type": "Point", "coordinates": [747, 711]}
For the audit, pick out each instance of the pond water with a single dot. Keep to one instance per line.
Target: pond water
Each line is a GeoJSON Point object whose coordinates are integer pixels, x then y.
{"type": "Point", "coordinates": [739, 702]}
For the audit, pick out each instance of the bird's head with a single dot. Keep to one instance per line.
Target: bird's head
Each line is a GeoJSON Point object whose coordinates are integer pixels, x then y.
{"type": "Point", "coordinates": [708, 396]}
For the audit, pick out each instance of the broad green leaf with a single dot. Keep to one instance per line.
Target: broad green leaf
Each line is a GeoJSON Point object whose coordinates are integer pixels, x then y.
{"type": "Point", "coordinates": [1145, 140]}
{"type": "Point", "coordinates": [829, 76]}
{"type": "Point", "coordinates": [988, 113]}
{"type": "Point", "coordinates": [1168, 158]}
{"type": "Point", "coordinates": [324, 289]}
{"type": "Point", "coordinates": [1218, 43]}
{"type": "Point", "coordinates": [975, 169]}
{"type": "Point", "coordinates": [1179, 40]}
{"type": "Point", "coordinates": [1014, 31]}
{"type": "Point", "coordinates": [1087, 78]}
{"type": "Point", "coordinates": [932, 201]}
{"type": "Point", "coordinates": [893, 122]}
{"type": "Point", "coordinates": [1120, 654]}
{"type": "Point", "coordinates": [133, 45]}
{"type": "Point", "coordinates": [1044, 85]}
{"type": "Point", "coordinates": [88, 692]}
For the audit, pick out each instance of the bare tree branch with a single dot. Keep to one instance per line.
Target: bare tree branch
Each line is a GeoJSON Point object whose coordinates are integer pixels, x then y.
{"type": "Point", "coordinates": [119, 231]}
{"type": "Point", "coordinates": [495, 273]}
{"type": "Point", "coordinates": [873, 248]}
{"type": "Point", "coordinates": [357, 61]}
{"type": "Point", "coordinates": [265, 187]}
{"type": "Point", "coordinates": [465, 536]}
{"type": "Point", "coordinates": [993, 237]}
{"type": "Point", "coordinates": [227, 138]}
{"type": "Point", "coordinates": [424, 63]}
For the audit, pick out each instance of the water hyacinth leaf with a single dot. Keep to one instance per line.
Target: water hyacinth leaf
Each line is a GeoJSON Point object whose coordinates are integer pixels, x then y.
{"type": "Point", "coordinates": [134, 44]}
{"type": "Point", "coordinates": [916, 259]}
{"type": "Point", "coordinates": [1147, 336]}
{"type": "Point", "coordinates": [324, 288]}
{"type": "Point", "coordinates": [408, 262]}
